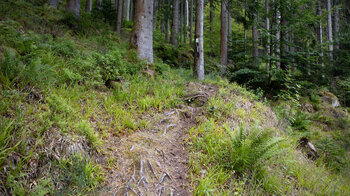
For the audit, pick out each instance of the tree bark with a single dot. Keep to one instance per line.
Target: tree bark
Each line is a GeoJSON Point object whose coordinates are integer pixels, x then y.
{"type": "Point", "coordinates": [185, 21]}
{"type": "Point", "coordinates": [223, 36]}
{"type": "Point", "coordinates": [278, 38]}
{"type": "Point", "coordinates": [127, 10]}
{"type": "Point", "coordinates": [54, 3]}
{"type": "Point", "coordinates": [211, 15]}
{"type": "Point", "coordinates": [330, 33]}
{"type": "Point", "coordinates": [142, 34]}
{"type": "Point", "coordinates": [119, 17]}
{"type": "Point", "coordinates": [191, 22]}
{"type": "Point", "coordinates": [255, 38]}
{"type": "Point", "coordinates": [320, 30]}
{"type": "Point", "coordinates": [199, 49]}
{"type": "Point", "coordinates": [73, 6]}
{"type": "Point", "coordinates": [175, 26]}
{"type": "Point", "coordinates": [167, 30]}
{"type": "Point", "coordinates": [88, 6]}
{"type": "Point", "coordinates": [229, 33]}
{"type": "Point", "coordinates": [267, 23]}
{"type": "Point", "coordinates": [336, 24]}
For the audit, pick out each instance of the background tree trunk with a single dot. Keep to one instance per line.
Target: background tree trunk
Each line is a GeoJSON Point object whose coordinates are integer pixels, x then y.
{"type": "Point", "coordinates": [119, 17]}
{"type": "Point", "coordinates": [199, 49]}
{"type": "Point", "coordinates": [278, 37]}
{"type": "Point", "coordinates": [223, 35]}
{"type": "Point", "coordinates": [320, 30]}
{"type": "Point", "coordinates": [175, 26]}
{"type": "Point", "coordinates": [191, 21]}
{"type": "Point", "coordinates": [74, 7]}
{"type": "Point", "coordinates": [142, 34]}
{"type": "Point", "coordinates": [330, 33]}
{"type": "Point", "coordinates": [54, 3]}
{"type": "Point", "coordinates": [88, 6]}
{"type": "Point", "coordinates": [336, 24]}
{"type": "Point", "coordinates": [167, 30]}
{"type": "Point", "coordinates": [127, 10]}
{"type": "Point", "coordinates": [267, 23]}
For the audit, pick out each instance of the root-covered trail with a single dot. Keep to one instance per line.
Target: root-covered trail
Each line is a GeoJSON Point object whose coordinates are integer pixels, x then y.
{"type": "Point", "coordinates": [154, 161]}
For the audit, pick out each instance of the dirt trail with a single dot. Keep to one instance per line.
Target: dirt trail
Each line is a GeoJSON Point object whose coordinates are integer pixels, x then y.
{"type": "Point", "coordinates": [154, 161]}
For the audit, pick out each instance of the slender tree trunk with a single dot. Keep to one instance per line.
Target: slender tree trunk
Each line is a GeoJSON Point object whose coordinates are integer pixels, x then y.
{"type": "Point", "coordinates": [127, 10]}
{"type": "Point", "coordinates": [223, 36]}
{"type": "Point", "coordinates": [155, 5]}
{"type": "Point", "coordinates": [175, 26]}
{"type": "Point", "coordinates": [74, 7]}
{"type": "Point", "coordinates": [88, 6]}
{"type": "Point", "coordinates": [211, 16]}
{"type": "Point", "coordinates": [199, 49]}
{"type": "Point", "coordinates": [330, 33]}
{"type": "Point", "coordinates": [119, 17]}
{"type": "Point", "coordinates": [191, 22]}
{"type": "Point", "coordinates": [185, 21]}
{"type": "Point", "coordinates": [229, 33]}
{"type": "Point", "coordinates": [142, 34]}
{"type": "Point", "coordinates": [336, 24]}
{"type": "Point", "coordinates": [267, 23]}
{"type": "Point", "coordinates": [284, 41]}
{"type": "Point", "coordinates": [292, 50]}
{"type": "Point", "coordinates": [320, 31]}
{"type": "Point", "coordinates": [181, 22]}
{"type": "Point", "coordinates": [245, 27]}
{"type": "Point", "coordinates": [278, 38]}
{"type": "Point", "coordinates": [167, 30]}
{"type": "Point", "coordinates": [54, 3]}
{"type": "Point", "coordinates": [255, 39]}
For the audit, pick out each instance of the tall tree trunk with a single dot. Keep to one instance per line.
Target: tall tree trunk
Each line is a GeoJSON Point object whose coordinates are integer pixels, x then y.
{"type": "Point", "coordinates": [155, 5]}
{"type": "Point", "coordinates": [278, 38]}
{"type": "Point", "coordinates": [245, 28]}
{"type": "Point", "coordinates": [284, 40]}
{"type": "Point", "coordinates": [88, 6]}
{"type": "Point", "coordinates": [191, 22]}
{"type": "Point", "coordinates": [330, 33]}
{"type": "Point", "coordinates": [167, 30]}
{"type": "Point", "coordinates": [54, 3]}
{"type": "Point", "coordinates": [74, 7]}
{"type": "Point", "coordinates": [175, 26]}
{"type": "Point", "coordinates": [267, 23]}
{"type": "Point", "coordinates": [320, 31]}
{"type": "Point", "coordinates": [211, 16]}
{"type": "Point", "coordinates": [142, 34]}
{"type": "Point", "coordinates": [199, 49]}
{"type": "Point", "coordinates": [255, 38]}
{"type": "Point", "coordinates": [181, 22]}
{"type": "Point", "coordinates": [127, 10]}
{"type": "Point", "coordinates": [336, 24]}
{"type": "Point", "coordinates": [185, 21]}
{"type": "Point", "coordinates": [223, 36]}
{"type": "Point", "coordinates": [229, 33]}
{"type": "Point", "coordinates": [119, 17]}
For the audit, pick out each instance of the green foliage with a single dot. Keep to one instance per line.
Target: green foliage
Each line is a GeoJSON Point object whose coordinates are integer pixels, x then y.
{"type": "Point", "coordinates": [248, 149]}
{"type": "Point", "coordinates": [176, 57]}
{"type": "Point", "coordinates": [85, 128]}
{"type": "Point", "coordinates": [79, 174]}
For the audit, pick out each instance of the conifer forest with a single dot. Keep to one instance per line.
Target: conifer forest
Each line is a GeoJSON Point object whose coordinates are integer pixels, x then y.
{"type": "Point", "coordinates": [174, 97]}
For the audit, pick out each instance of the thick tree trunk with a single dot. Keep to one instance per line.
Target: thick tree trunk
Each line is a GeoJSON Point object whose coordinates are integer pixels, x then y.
{"type": "Point", "coordinates": [330, 32]}
{"type": "Point", "coordinates": [54, 3]}
{"type": "Point", "coordinates": [119, 17]}
{"type": "Point", "coordinates": [199, 47]}
{"type": "Point", "coordinates": [267, 23]}
{"type": "Point", "coordinates": [191, 21]}
{"type": "Point", "coordinates": [336, 24]}
{"type": "Point", "coordinates": [223, 35]}
{"type": "Point", "coordinates": [74, 7]}
{"type": "Point", "coordinates": [175, 26]}
{"type": "Point", "coordinates": [88, 6]}
{"type": "Point", "coordinates": [142, 34]}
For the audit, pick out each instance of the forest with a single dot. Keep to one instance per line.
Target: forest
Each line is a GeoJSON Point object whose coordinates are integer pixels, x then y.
{"type": "Point", "coordinates": [174, 97]}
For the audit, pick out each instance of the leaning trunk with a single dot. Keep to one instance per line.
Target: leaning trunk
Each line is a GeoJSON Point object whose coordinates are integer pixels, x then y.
{"type": "Point", "coordinates": [142, 34]}
{"type": "Point", "coordinates": [199, 49]}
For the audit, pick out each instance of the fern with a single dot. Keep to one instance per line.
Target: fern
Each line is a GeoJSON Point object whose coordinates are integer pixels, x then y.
{"type": "Point", "coordinates": [247, 149]}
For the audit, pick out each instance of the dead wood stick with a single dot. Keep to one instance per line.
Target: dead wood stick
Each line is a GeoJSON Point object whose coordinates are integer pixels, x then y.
{"type": "Point", "coordinates": [167, 127]}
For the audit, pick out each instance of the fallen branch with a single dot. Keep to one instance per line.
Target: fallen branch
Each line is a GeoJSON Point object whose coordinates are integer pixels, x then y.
{"type": "Point", "coordinates": [167, 127]}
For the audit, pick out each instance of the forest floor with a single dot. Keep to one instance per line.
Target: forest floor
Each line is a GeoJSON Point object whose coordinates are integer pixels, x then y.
{"type": "Point", "coordinates": [155, 161]}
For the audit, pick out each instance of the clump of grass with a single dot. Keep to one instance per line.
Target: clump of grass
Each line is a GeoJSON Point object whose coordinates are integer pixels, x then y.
{"type": "Point", "coordinates": [85, 128]}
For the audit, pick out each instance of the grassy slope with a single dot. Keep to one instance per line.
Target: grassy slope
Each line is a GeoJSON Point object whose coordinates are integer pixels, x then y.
{"type": "Point", "coordinates": [55, 114]}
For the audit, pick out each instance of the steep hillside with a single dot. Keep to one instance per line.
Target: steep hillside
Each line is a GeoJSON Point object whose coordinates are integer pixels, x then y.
{"type": "Point", "coordinates": [81, 114]}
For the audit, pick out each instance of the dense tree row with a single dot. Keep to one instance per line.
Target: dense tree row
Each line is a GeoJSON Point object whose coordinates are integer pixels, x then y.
{"type": "Point", "coordinates": [287, 35]}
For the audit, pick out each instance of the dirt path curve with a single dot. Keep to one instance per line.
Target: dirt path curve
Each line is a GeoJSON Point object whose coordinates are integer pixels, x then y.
{"type": "Point", "coordinates": [154, 161]}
